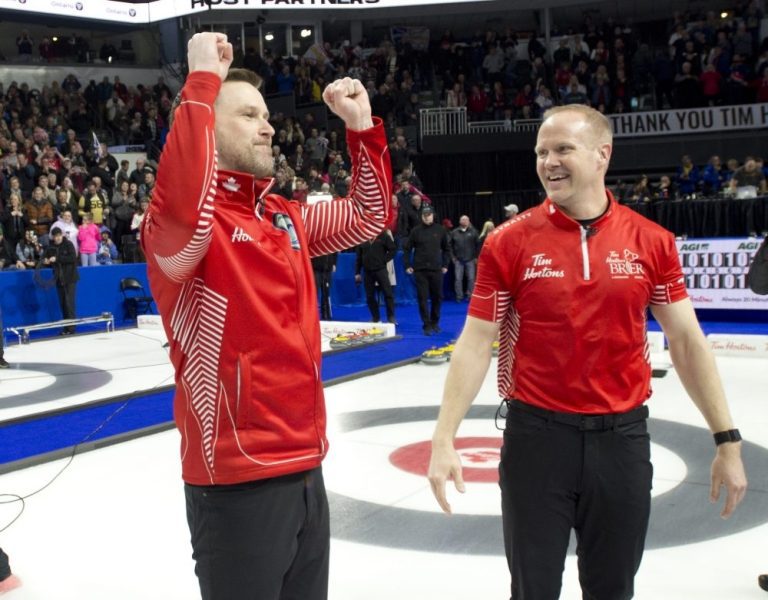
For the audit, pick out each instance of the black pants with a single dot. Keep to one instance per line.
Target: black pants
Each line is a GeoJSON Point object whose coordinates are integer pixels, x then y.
{"type": "Point", "coordinates": [370, 279]}
{"type": "Point", "coordinates": [323, 285]}
{"type": "Point", "coordinates": [261, 540]}
{"type": "Point", "coordinates": [555, 477]}
{"type": "Point", "coordinates": [5, 566]}
{"type": "Point", "coordinates": [66, 293]}
{"type": "Point", "coordinates": [429, 285]}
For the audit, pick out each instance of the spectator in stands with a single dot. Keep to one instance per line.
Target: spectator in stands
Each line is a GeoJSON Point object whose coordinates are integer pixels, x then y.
{"type": "Point", "coordinates": [463, 247]}
{"type": "Point", "coordinates": [687, 89]}
{"type": "Point", "coordinates": [575, 95]}
{"type": "Point", "coordinates": [711, 81]}
{"type": "Point", "coordinates": [61, 256]}
{"type": "Point", "coordinates": [39, 214]}
{"type": "Point", "coordinates": [664, 74]}
{"type": "Point", "coordinates": [299, 161]}
{"type": "Point", "coordinates": [543, 100]}
{"type": "Point", "coordinates": [8, 261]}
{"type": "Point", "coordinates": [713, 177]}
{"type": "Point", "coordinates": [665, 190]}
{"type": "Point", "coordinates": [138, 216]}
{"type": "Point", "coordinates": [641, 191]}
{"type": "Point", "coordinates": [13, 220]}
{"type": "Point", "coordinates": [429, 244]}
{"type": "Point", "coordinates": [24, 45]}
{"type": "Point", "coordinates": [137, 175]}
{"type": "Point", "coordinates": [107, 251]}
{"type": "Point", "coordinates": [687, 178]}
{"type": "Point", "coordinates": [69, 229]}
{"type": "Point", "coordinates": [455, 97]}
{"type": "Point", "coordinates": [48, 193]}
{"type": "Point", "coordinates": [148, 185]}
{"type": "Point", "coordinates": [510, 211]}
{"type": "Point", "coordinates": [748, 181]}
{"type": "Point", "coordinates": [88, 237]}
{"type": "Point", "coordinates": [477, 104]}
{"type": "Point", "coordinates": [29, 250]}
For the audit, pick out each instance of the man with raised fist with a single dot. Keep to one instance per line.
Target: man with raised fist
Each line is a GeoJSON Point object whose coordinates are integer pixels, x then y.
{"type": "Point", "coordinates": [229, 266]}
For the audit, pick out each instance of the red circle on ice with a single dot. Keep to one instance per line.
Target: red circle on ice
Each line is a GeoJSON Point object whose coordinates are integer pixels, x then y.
{"type": "Point", "coordinates": [479, 458]}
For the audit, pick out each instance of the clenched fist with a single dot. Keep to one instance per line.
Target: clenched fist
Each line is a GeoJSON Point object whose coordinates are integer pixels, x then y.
{"type": "Point", "coordinates": [210, 51]}
{"type": "Point", "coordinates": [348, 99]}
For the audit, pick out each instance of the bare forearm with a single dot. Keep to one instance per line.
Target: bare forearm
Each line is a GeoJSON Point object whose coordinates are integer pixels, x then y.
{"type": "Point", "coordinates": [469, 365]}
{"type": "Point", "coordinates": [696, 367]}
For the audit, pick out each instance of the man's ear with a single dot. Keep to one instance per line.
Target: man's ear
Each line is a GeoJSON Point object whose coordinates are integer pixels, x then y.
{"type": "Point", "coordinates": [604, 152]}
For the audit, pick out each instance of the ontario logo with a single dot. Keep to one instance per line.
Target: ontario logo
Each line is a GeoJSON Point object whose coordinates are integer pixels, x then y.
{"type": "Point", "coordinates": [623, 265]}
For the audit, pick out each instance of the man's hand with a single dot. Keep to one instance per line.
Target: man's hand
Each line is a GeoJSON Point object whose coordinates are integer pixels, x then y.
{"type": "Point", "coordinates": [444, 464]}
{"type": "Point", "coordinates": [409, 270]}
{"type": "Point", "coordinates": [348, 99]}
{"type": "Point", "coordinates": [358, 278]}
{"type": "Point", "coordinates": [444, 270]}
{"type": "Point", "coordinates": [210, 51]}
{"type": "Point", "coordinates": [728, 471]}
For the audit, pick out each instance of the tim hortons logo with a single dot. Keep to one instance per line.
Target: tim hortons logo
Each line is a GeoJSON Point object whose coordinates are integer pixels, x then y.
{"type": "Point", "coordinates": [238, 235]}
{"type": "Point", "coordinates": [542, 268]}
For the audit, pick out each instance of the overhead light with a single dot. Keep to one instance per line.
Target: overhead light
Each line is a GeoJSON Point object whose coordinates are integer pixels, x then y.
{"type": "Point", "coordinates": [55, 39]}
{"type": "Point", "coordinates": [269, 37]}
{"type": "Point", "coordinates": [724, 14]}
{"type": "Point", "coordinates": [306, 32]}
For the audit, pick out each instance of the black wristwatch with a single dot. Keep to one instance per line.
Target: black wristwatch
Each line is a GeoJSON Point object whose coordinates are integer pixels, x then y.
{"type": "Point", "coordinates": [723, 437]}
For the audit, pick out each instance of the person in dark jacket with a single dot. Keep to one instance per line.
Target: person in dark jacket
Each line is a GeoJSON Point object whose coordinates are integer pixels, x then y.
{"type": "Point", "coordinates": [324, 267]}
{"type": "Point", "coordinates": [758, 270]}
{"type": "Point", "coordinates": [464, 245]}
{"type": "Point", "coordinates": [429, 244]}
{"type": "Point", "coordinates": [62, 256]}
{"type": "Point", "coordinates": [373, 256]}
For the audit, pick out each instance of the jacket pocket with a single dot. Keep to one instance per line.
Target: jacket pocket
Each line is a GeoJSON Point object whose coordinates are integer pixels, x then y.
{"type": "Point", "coordinates": [243, 393]}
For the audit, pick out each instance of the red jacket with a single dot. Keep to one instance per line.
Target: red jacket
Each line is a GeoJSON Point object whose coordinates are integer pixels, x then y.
{"type": "Point", "coordinates": [571, 302]}
{"type": "Point", "coordinates": [229, 267]}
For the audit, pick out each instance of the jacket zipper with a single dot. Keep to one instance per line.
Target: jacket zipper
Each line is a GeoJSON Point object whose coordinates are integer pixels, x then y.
{"type": "Point", "coordinates": [584, 253]}
{"type": "Point", "coordinates": [306, 343]}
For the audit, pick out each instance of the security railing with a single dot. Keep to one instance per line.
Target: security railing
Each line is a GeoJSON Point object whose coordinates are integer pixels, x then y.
{"type": "Point", "coordinates": [454, 121]}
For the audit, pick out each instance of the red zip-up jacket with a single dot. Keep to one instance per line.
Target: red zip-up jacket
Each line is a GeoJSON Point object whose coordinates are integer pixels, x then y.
{"type": "Point", "coordinates": [229, 267]}
{"type": "Point", "coordinates": [571, 302]}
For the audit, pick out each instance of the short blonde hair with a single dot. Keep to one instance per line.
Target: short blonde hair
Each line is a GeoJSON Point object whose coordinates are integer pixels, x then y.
{"type": "Point", "coordinates": [600, 124]}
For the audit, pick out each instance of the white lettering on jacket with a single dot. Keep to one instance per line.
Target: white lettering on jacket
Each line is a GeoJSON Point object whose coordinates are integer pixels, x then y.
{"type": "Point", "coordinates": [238, 235]}
{"type": "Point", "coordinates": [541, 268]}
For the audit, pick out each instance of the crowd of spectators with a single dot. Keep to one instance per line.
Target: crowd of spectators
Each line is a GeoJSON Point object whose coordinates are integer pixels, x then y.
{"type": "Point", "coordinates": [704, 59]}
{"type": "Point", "coordinates": [688, 181]}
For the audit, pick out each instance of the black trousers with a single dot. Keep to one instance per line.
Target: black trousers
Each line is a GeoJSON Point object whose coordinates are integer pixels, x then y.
{"type": "Point", "coordinates": [555, 477]}
{"type": "Point", "coordinates": [261, 540]}
{"type": "Point", "coordinates": [5, 566]}
{"type": "Point", "coordinates": [66, 293]}
{"type": "Point", "coordinates": [429, 285]}
{"type": "Point", "coordinates": [323, 284]}
{"type": "Point", "coordinates": [370, 279]}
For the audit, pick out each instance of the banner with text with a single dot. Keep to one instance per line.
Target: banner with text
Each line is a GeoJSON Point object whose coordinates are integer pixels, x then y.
{"type": "Point", "coordinates": [716, 270]}
{"type": "Point", "coordinates": [692, 120]}
{"type": "Point", "coordinates": [160, 10]}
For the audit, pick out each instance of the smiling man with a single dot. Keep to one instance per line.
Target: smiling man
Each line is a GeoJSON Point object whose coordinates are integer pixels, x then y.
{"type": "Point", "coordinates": [566, 285]}
{"type": "Point", "coordinates": [229, 265]}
